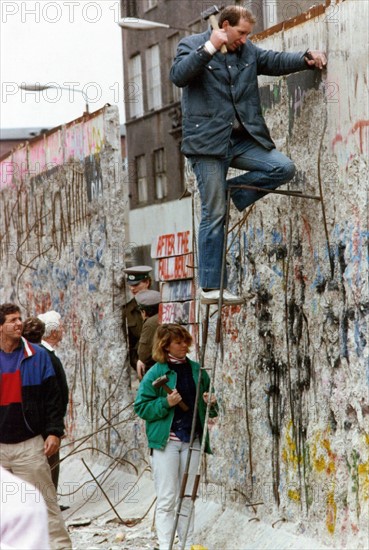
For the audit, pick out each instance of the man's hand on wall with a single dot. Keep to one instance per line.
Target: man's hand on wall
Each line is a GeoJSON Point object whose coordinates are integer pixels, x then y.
{"type": "Point", "coordinates": [316, 58]}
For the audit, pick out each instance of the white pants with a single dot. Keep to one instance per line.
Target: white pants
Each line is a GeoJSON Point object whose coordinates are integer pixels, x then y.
{"type": "Point", "coordinates": [27, 461]}
{"type": "Point", "coordinates": [168, 467]}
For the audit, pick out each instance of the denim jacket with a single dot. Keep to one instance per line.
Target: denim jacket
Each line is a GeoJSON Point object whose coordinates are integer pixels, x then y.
{"type": "Point", "coordinates": [217, 88]}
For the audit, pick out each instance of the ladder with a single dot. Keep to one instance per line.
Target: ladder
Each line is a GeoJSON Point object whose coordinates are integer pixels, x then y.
{"type": "Point", "coordinates": [219, 345]}
{"type": "Point", "coordinates": [182, 492]}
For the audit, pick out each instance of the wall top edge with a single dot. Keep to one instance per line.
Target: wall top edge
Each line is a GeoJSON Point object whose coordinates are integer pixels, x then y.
{"type": "Point", "coordinates": [83, 118]}
{"type": "Point", "coordinates": [314, 11]}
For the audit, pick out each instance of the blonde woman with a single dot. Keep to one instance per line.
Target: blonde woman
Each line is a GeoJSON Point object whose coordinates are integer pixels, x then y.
{"type": "Point", "coordinates": [168, 426]}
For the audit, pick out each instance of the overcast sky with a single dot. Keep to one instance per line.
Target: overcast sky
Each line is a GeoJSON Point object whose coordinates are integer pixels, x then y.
{"type": "Point", "coordinates": [71, 43]}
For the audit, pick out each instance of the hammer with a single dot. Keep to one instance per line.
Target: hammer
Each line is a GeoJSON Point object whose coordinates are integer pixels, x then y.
{"type": "Point", "coordinates": [210, 14]}
{"type": "Point", "coordinates": [161, 382]}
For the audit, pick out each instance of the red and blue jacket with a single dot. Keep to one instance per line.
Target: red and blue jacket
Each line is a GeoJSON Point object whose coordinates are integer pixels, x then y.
{"type": "Point", "coordinates": [30, 393]}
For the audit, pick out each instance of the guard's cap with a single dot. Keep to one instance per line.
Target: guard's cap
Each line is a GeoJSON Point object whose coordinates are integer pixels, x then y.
{"type": "Point", "coordinates": [137, 274]}
{"type": "Point", "coordinates": [148, 298]}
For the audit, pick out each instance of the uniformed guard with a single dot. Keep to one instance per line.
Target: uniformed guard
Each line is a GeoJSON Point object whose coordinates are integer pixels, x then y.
{"type": "Point", "coordinates": [138, 279]}
{"type": "Point", "coordinates": [148, 302]}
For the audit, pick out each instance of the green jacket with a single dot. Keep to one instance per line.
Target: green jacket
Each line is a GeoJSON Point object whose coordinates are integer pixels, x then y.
{"type": "Point", "coordinates": [151, 403]}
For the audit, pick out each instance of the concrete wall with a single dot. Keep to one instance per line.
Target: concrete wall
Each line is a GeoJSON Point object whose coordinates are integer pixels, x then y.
{"type": "Point", "coordinates": [292, 440]}
{"type": "Point", "coordinates": [293, 433]}
{"type": "Point", "coordinates": [62, 247]}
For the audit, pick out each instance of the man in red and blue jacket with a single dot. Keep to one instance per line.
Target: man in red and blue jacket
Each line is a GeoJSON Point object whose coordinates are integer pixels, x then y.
{"type": "Point", "coordinates": [31, 416]}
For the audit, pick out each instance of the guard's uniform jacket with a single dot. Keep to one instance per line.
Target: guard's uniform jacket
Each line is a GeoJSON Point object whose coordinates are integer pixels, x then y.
{"type": "Point", "coordinates": [146, 340]}
{"type": "Point", "coordinates": [219, 89]}
{"type": "Point", "coordinates": [133, 316]}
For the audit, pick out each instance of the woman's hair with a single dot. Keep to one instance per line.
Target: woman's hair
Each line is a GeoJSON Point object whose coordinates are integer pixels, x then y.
{"type": "Point", "coordinates": [33, 330]}
{"type": "Point", "coordinates": [233, 14]}
{"type": "Point", "coordinates": [165, 334]}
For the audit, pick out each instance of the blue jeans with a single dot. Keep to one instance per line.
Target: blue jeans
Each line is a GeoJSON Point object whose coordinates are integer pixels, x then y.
{"type": "Point", "coordinates": [265, 169]}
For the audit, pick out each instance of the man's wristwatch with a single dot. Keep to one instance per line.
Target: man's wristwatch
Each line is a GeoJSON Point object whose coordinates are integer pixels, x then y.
{"type": "Point", "coordinates": [202, 50]}
{"type": "Point", "coordinates": [207, 48]}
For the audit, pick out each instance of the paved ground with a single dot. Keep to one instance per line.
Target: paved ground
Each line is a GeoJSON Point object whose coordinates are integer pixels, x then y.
{"type": "Point", "coordinates": [113, 536]}
{"type": "Point", "coordinates": [93, 524]}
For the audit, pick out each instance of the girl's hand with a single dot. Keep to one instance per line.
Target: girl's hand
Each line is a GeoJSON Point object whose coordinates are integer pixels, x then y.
{"type": "Point", "coordinates": [205, 397]}
{"type": "Point", "coordinates": [174, 398]}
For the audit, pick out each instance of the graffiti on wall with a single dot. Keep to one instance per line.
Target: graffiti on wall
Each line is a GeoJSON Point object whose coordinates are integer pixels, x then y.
{"type": "Point", "coordinates": [311, 331]}
{"type": "Point", "coordinates": [55, 254]}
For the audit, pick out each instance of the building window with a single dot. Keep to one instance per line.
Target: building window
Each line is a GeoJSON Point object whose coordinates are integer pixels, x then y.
{"type": "Point", "coordinates": [153, 78]}
{"type": "Point", "coordinates": [150, 4]}
{"type": "Point", "coordinates": [161, 187]}
{"type": "Point", "coordinates": [174, 91]}
{"type": "Point", "coordinates": [133, 89]}
{"type": "Point", "coordinates": [142, 190]}
{"type": "Point", "coordinates": [197, 27]}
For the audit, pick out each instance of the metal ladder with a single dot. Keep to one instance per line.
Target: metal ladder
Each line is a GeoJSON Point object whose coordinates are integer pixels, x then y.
{"type": "Point", "coordinates": [193, 494]}
{"type": "Point", "coordinates": [219, 345]}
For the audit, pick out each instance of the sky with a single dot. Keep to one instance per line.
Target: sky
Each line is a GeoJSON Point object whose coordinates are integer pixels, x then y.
{"type": "Point", "coordinates": [63, 43]}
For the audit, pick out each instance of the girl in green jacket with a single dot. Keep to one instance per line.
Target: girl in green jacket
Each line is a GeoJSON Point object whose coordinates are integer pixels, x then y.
{"type": "Point", "coordinates": [168, 426]}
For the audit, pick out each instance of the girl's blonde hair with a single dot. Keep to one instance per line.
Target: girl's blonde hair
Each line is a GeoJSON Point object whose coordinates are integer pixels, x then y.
{"type": "Point", "coordinates": [165, 334]}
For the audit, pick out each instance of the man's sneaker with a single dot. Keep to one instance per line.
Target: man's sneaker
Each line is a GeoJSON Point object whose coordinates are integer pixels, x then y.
{"type": "Point", "coordinates": [212, 297]}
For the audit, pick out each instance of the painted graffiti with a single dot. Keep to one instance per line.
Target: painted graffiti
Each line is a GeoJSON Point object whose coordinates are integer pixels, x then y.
{"type": "Point", "coordinates": [175, 267]}
{"type": "Point", "coordinates": [174, 244]}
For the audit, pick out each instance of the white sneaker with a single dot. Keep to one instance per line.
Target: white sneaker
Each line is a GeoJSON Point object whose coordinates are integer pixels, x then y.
{"type": "Point", "coordinates": [212, 297]}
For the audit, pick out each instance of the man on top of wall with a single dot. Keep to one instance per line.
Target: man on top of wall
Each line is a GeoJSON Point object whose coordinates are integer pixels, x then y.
{"type": "Point", "coordinates": [223, 127]}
